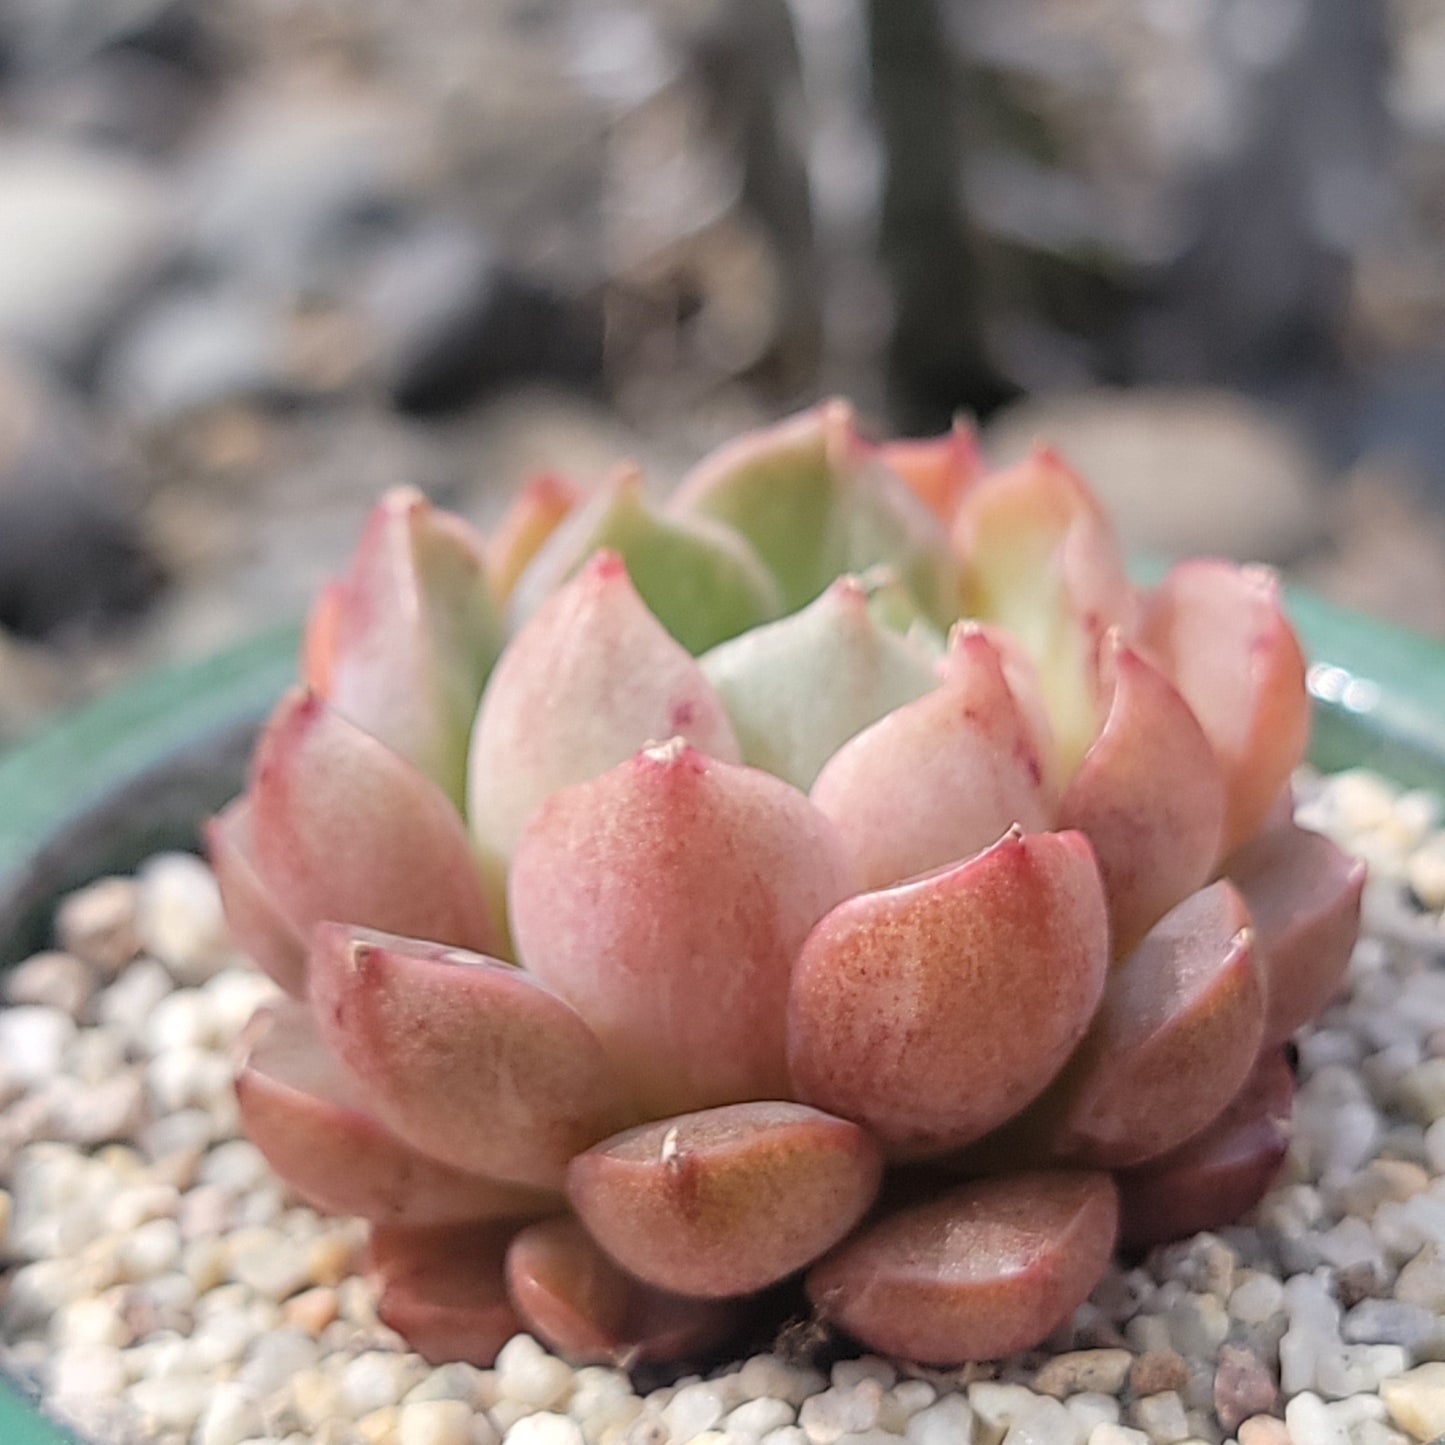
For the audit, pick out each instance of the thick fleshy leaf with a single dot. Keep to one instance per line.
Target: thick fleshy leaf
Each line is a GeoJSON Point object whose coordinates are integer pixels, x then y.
{"type": "Point", "coordinates": [534, 515]}
{"type": "Point", "coordinates": [798, 689]}
{"type": "Point", "coordinates": [934, 1011]}
{"type": "Point", "coordinates": [402, 645]}
{"type": "Point", "coordinates": [939, 778]}
{"type": "Point", "coordinates": [815, 502]}
{"type": "Point", "coordinates": [1220, 633]}
{"type": "Point", "coordinates": [257, 924]}
{"type": "Point", "coordinates": [727, 1201]}
{"type": "Point", "coordinates": [1217, 1177]}
{"type": "Point", "coordinates": [576, 1300]}
{"type": "Point", "coordinates": [591, 678]}
{"type": "Point", "coordinates": [938, 470]}
{"type": "Point", "coordinates": [1150, 796]}
{"type": "Point", "coordinates": [443, 1290]}
{"type": "Point", "coordinates": [1175, 1038]}
{"type": "Point", "coordinates": [303, 1111]}
{"type": "Point", "coordinates": [1041, 560]}
{"type": "Point", "coordinates": [979, 1273]}
{"type": "Point", "coordinates": [343, 828]}
{"type": "Point", "coordinates": [700, 579]}
{"type": "Point", "coordinates": [1304, 896]}
{"type": "Point", "coordinates": [666, 900]}
{"type": "Point", "coordinates": [468, 1060]}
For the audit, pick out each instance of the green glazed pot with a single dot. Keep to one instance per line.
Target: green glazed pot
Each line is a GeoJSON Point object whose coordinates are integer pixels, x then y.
{"type": "Point", "coordinates": [137, 771]}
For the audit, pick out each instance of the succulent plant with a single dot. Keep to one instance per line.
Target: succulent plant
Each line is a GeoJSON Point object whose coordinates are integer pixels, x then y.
{"type": "Point", "coordinates": [679, 902]}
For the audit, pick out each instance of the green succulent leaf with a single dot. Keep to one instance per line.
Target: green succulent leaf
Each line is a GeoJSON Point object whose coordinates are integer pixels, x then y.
{"type": "Point", "coordinates": [815, 503]}
{"type": "Point", "coordinates": [798, 689]}
{"type": "Point", "coordinates": [702, 581]}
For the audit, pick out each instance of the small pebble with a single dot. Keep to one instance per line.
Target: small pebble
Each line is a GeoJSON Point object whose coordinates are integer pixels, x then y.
{"type": "Point", "coordinates": [545, 1429]}
{"type": "Point", "coordinates": [98, 924]}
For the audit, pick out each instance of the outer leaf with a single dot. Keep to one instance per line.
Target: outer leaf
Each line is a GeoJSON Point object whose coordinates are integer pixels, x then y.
{"type": "Point", "coordinates": [257, 924]}
{"type": "Point", "coordinates": [1150, 797]}
{"type": "Point", "coordinates": [341, 827]}
{"type": "Point", "coordinates": [1176, 1035]}
{"type": "Point", "coordinates": [939, 778]}
{"type": "Point", "coordinates": [811, 497]}
{"type": "Point", "coordinates": [934, 1011]}
{"type": "Point", "coordinates": [702, 581]}
{"type": "Point", "coordinates": [443, 1290]}
{"type": "Point", "coordinates": [1041, 560]}
{"type": "Point", "coordinates": [727, 1201]}
{"type": "Point", "coordinates": [470, 1061]}
{"type": "Point", "coordinates": [666, 900]}
{"type": "Point", "coordinates": [1219, 632]}
{"type": "Point", "coordinates": [589, 680]}
{"type": "Point", "coordinates": [1304, 895]}
{"type": "Point", "coordinates": [1219, 1175]}
{"type": "Point", "coordinates": [977, 1274]}
{"type": "Point", "coordinates": [304, 1113]}
{"type": "Point", "coordinates": [403, 644]}
{"type": "Point", "coordinates": [573, 1297]}
{"type": "Point", "coordinates": [796, 690]}
{"type": "Point", "coordinates": [535, 513]}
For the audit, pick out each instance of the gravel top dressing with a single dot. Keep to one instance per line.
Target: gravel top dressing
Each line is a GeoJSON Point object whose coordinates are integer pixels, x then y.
{"type": "Point", "coordinates": [160, 1287]}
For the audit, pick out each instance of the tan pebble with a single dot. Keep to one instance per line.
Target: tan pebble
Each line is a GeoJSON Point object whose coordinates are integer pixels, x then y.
{"type": "Point", "coordinates": [435, 1422]}
{"type": "Point", "coordinates": [7, 1208]}
{"type": "Point", "coordinates": [53, 980]}
{"type": "Point", "coordinates": [1403, 1178]}
{"type": "Point", "coordinates": [1263, 1430]}
{"type": "Point", "coordinates": [379, 1427]}
{"type": "Point", "coordinates": [315, 1398]}
{"type": "Point", "coordinates": [1156, 1371]}
{"type": "Point", "coordinates": [1085, 1370]}
{"type": "Point", "coordinates": [98, 924]}
{"type": "Point", "coordinates": [330, 1258]}
{"type": "Point", "coordinates": [1416, 1400]}
{"type": "Point", "coordinates": [312, 1310]}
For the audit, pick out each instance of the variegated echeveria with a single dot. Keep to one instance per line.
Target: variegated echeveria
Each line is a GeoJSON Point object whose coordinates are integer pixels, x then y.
{"type": "Point", "coordinates": [837, 874]}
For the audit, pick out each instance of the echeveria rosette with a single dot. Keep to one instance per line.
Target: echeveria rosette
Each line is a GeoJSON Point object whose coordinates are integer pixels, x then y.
{"type": "Point", "coordinates": [837, 873]}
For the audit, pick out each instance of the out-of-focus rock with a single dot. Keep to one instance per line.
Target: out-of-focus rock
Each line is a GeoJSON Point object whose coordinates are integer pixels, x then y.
{"type": "Point", "coordinates": [1182, 472]}
{"type": "Point", "coordinates": [80, 233]}
{"type": "Point", "coordinates": [295, 175]}
{"type": "Point", "coordinates": [71, 554]}
{"type": "Point", "coordinates": [450, 321]}
{"type": "Point", "coordinates": [190, 349]}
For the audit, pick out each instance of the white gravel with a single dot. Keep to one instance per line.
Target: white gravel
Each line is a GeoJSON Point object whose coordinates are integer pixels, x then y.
{"type": "Point", "coordinates": [160, 1287]}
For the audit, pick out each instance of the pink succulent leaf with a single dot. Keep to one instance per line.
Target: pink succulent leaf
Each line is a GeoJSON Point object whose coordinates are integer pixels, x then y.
{"type": "Point", "coordinates": [1304, 894]}
{"type": "Point", "coordinates": [938, 470]}
{"type": "Point", "coordinates": [1041, 560]}
{"type": "Point", "coordinates": [403, 644]}
{"type": "Point", "coordinates": [256, 923]}
{"type": "Point", "coordinates": [726, 1201]}
{"type": "Point", "coordinates": [536, 512]}
{"type": "Point", "coordinates": [575, 1299]}
{"type": "Point", "coordinates": [1150, 796]}
{"type": "Point", "coordinates": [700, 579]}
{"type": "Point", "coordinates": [1218, 1176]}
{"type": "Point", "coordinates": [444, 1290]}
{"type": "Point", "coordinates": [472, 1062]}
{"type": "Point", "coordinates": [1219, 632]}
{"type": "Point", "coordinates": [934, 1011]}
{"type": "Point", "coordinates": [341, 827]}
{"type": "Point", "coordinates": [978, 1273]}
{"type": "Point", "coordinates": [303, 1111]}
{"type": "Point", "coordinates": [797, 689]}
{"type": "Point", "coordinates": [1175, 1038]}
{"type": "Point", "coordinates": [590, 679]}
{"type": "Point", "coordinates": [939, 778]}
{"type": "Point", "coordinates": [815, 502]}
{"type": "Point", "coordinates": [666, 901]}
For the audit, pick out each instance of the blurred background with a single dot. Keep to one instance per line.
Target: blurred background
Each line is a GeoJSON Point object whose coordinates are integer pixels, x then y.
{"type": "Point", "coordinates": [260, 259]}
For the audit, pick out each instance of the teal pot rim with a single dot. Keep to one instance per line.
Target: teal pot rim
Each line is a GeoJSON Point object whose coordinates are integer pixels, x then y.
{"type": "Point", "coordinates": [137, 771]}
